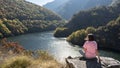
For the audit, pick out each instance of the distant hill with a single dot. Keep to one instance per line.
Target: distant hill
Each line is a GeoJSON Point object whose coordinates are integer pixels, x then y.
{"type": "Point", "coordinates": [55, 5]}
{"type": "Point", "coordinates": [19, 16]}
{"type": "Point", "coordinates": [69, 8]}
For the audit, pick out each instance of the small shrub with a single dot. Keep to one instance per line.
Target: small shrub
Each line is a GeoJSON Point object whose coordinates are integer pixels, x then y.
{"type": "Point", "coordinates": [17, 62]}
{"type": "Point", "coordinates": [43, 55]}
{"type": "Point", "coordinates": [77, 37]}
{"type": "Point", "coordinates": [61, 32]}
{"type": "Point", "coordinates": [90, 30]}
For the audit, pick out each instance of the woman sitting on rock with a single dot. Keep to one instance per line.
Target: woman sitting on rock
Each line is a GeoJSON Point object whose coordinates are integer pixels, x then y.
{"type": "Point", "coordinates": [90, 48]}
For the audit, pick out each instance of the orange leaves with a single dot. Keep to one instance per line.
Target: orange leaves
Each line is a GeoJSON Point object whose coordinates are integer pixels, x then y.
{"type": "Point", "coordinates": [14, 46]}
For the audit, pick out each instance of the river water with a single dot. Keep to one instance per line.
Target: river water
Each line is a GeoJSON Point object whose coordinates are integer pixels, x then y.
{"type": "Point", "coordinates": [57, 47]}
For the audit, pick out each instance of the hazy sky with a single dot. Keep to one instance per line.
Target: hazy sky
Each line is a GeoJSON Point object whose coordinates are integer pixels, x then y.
{"type": "Point", "coordinates": [40, 2]}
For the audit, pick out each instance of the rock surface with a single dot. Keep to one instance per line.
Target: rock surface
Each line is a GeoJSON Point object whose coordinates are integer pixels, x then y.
{"type": "Point", "coordinates": [106, 62]}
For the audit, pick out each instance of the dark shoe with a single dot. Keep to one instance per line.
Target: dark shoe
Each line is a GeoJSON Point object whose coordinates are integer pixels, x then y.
{"type": "Point", "coordinates": [82, 58]}
{"type": "Point", "coordinates": [69, 57]}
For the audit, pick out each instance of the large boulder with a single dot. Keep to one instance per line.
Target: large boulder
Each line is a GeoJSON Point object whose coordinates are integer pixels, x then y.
{"type": "Point", "coordinates": [105, 63]}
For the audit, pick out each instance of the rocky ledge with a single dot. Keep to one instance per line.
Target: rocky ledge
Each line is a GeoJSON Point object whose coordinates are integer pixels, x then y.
{"type": "Point", "coordinates": [106, 62]}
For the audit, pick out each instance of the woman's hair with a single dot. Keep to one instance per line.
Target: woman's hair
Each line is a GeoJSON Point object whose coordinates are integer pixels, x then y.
{"type": "Point", "coordinates": [91, 37]}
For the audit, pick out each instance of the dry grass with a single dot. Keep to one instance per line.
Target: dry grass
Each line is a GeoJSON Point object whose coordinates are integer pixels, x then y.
{"type": "Point", "coordinates": [17, 62]}
{"type": "Point", "coordinates": [18, 57]}
{"type": "Point", "coordinates": [44, 60]}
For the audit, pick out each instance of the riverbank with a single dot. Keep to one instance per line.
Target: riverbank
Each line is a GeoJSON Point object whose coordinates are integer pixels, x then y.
{"type": "Point", "coordinates": [25, 33]}
{"type": "Point", "coordinates": [12, 55]}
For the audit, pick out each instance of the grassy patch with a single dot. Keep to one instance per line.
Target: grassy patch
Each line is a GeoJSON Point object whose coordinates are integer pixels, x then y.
{"type": "Point", "coordinates": [17, 57]}
{"type": "Point", "coordinates": [43, 60]}
{"type": "Point", "coordinates": [17, 62]}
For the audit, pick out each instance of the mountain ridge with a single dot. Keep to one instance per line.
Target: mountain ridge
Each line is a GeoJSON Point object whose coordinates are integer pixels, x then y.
{"type": "Point", "coordinates": [65, 9]}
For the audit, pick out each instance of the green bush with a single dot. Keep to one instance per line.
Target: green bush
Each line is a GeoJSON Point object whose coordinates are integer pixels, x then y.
{"type": "Point", "coordinates": [3, 29]}
{"type": "Point", "coordinates": [15, 26]}
{"type": "Point", "coordinates": [1, 35]}
{"type": "Point", "coordinates": [77, 37]}
{"type": "Point", "coordinates": [90, 30]}
{"type": "Point", "coordinates": [61, 32]}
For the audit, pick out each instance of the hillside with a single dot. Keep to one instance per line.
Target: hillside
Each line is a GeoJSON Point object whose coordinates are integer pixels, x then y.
{"type": "Point", "coordinates": [69, 8]}
{"type": "Point", "coordinates": [19, 16]}
{"type": "Point", "coordinates": [94, 17]}
{"type": "Point", "coordinates": [107, 36]}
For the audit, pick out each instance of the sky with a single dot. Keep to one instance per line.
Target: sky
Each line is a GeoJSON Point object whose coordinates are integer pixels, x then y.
{"type": "Point", "coordinates": [40, 2]}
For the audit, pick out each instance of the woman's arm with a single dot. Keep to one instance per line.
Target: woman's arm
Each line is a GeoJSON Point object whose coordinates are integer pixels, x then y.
{"type": "Point", "coordinates": [85, 49]}
{"type": "Point", "coordinates": [97, 53]}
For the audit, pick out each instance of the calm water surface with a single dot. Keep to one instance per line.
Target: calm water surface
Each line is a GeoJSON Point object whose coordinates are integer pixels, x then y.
{"type": "Point", "coordinates": [57, 47]}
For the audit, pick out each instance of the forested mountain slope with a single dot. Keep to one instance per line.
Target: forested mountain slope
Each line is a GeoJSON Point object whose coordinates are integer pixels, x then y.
{"type": "Point", "coordinates": [94, 17]}
{"type": "Point", "coordinates": [20, 16]}
{"type": "Point", "coordinates": [107, 36]}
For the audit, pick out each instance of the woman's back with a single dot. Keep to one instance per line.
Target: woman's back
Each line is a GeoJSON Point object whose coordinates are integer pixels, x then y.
{"type": "Point", "coordinates": [90, 49]}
